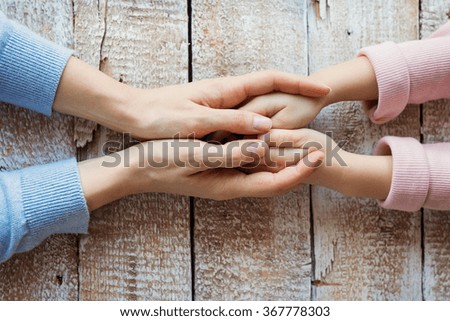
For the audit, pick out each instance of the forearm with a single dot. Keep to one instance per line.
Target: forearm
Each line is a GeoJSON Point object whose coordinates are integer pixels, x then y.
{"type": "Point", "coordinates": [88, 93]}
{"type": "Point", "coordinates": [351, 80]}
{"type": "Point", "coordinates": [357, 175]}
{"type": "Point", "coordinates": [104, 180]}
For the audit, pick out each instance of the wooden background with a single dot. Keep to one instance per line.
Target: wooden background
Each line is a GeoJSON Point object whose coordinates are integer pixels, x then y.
{"type": "Point", "coordinates": [311, 244]}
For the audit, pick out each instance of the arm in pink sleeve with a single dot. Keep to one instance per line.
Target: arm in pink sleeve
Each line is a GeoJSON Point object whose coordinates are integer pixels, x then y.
{"type": "Point", "coordinates": [421, 174]}
{"type": "Point", "coordinates": [410, 72]}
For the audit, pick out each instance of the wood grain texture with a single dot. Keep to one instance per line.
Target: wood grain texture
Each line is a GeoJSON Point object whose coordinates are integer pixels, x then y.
{"type": "Point", "coordinates": [138, 248]}
{"type": "Point", "coordinates": [361, 251]}
{"type": "Point", "coordinates": [89, 19]}
{"type": "Point", "coordinates": [48, 272]}
{"type": "Point", "coordinates": [251, 249]}
{"type": "Point", "coordinates": [436, 128]}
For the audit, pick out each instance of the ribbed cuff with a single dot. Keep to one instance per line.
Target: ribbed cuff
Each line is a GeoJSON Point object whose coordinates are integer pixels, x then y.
{"type": "Point", "coordinates": [392, 75]}
{"type": "Point", "coordinates": [53, 202]}
{"type": "Point", "coordinates": [410, 175]}
{"type": "Point", "coordinates": [429, 68]}
{"type": "Point", "coordinates": [439, 159]}
{"type": "Point", "coordinates": [30, 67]}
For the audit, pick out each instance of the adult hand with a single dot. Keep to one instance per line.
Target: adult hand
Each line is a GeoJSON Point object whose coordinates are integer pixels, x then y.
{"type": "Point", "coordinates": [190, 109]}
{"type": "Point", "coordinates": [188, 167]}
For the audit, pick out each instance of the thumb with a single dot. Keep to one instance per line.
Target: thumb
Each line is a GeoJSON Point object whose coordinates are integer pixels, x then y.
{"type": "Point", "coordinates": [238, 121]}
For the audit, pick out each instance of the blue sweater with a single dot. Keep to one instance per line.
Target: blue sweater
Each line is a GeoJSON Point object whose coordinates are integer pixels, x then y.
{"type": "Point", "coordinates": [36, 201]}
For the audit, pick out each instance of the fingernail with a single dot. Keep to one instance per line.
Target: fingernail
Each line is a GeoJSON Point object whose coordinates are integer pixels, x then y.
{"type": "Point", "coordinates": [261, 123]}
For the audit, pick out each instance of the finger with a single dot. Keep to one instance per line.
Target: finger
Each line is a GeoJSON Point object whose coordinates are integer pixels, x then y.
{"type": "Point", "coordinates": [233, 90]}
{"type": "Point", "coordinates": [266, 105]}
{"type": "Point", "coordinates": [267, 81]}
{"type": "Point", "coordinates": [285, 156]}
{"type": "Point", "coordinates": [231, 155]}
{"type": "Point", "coordinates": [265, 184]}
{"type": "Point", "coordinates": [276, 106]}
{"type": "Point", "coordinates": [278, 158]}
{"type": "Point", "coordinates": [236, 121]}
{"type": "Point", "coordinates": [304, 138]}
{"type": "Point", "coordinates": [260, 168]}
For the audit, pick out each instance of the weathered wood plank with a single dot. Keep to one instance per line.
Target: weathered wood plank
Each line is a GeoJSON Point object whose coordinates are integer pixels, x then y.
{"type": "Point", "coordinates": [49, 272]}
{"type": "Point", "coordinates": [139, 247]}
{"type": "Point", "coordinates": [436, 128]}
{"type": "Point", "coordinates": [361, 251]}
{"type": "Point", "coordinates": [251, 248]}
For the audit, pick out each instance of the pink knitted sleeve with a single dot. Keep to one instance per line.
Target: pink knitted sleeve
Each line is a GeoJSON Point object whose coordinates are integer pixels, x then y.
{"type": "Point", "coordinates": [421, 174]}
{"type": "Point", "coordinates": [410, 72]}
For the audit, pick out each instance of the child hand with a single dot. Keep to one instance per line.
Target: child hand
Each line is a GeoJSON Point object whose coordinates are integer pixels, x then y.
{"type": "Point", "coordinates": [286, 111]}
{"type": "Point", "coordinates": [350, 81]}
{"type": "Point", "coordinates": [348, 173]}
{"type": "Point", "coordinates": [287, 147]}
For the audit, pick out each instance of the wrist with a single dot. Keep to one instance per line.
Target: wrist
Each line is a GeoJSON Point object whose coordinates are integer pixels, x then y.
{"type": "Point", "coordinates": [104, 180]}
{"type": "Point", "coordinates": [365, 176]}
{"type": "Point", "coordinates": [355, 175]}
{"type": "Point", "coordinates": [331, 173]}
{"type": "Point", "coordinates": [323, 76]}
{"type": "Point", "coordinates": [88, 93]}
{"type": "Point", "coordinates": [350, 81]}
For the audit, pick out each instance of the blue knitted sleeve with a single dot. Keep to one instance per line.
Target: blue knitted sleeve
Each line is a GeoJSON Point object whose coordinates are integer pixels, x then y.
{"type": "Point", "coordinates": [30, 67]}
{"type": "Point", "coordinates": [38, 201]}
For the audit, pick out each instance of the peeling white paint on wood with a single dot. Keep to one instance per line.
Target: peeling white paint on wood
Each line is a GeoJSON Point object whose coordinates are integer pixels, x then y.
{"type": "Point", "coordinates": [435, 129]}
{"type": "Point", "coordinates": [251, 248]}
{"type": "Point", "coordinates": [139, 247]}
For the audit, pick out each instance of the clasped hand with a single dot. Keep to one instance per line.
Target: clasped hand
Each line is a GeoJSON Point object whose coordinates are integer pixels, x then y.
{"type": "Point", "coordinates": [186, 111]}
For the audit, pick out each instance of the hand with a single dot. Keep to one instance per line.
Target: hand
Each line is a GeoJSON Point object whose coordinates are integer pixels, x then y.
{"type": "Point", "coordinates": [286, 111]}
{"type": "Point", "coordinates": [203, 107]}
{"type": "Point", "coordinates": [348, 173]}
{"type": "Point", "coordinates": [190, 109]}
{"type": "Point", "coordinates": [188, 167]}
{"type": "Point", "coordinates": [352, 80]}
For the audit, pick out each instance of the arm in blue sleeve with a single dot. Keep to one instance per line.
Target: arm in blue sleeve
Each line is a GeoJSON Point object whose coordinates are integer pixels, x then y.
{"type": "Point", "coordinates": [38, 201]}
{"type": "Point", "coordinates": [30, 67]}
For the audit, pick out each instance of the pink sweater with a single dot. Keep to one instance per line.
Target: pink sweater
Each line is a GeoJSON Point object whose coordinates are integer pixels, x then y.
{"type": "Point", "coordinates": [412, 72]}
